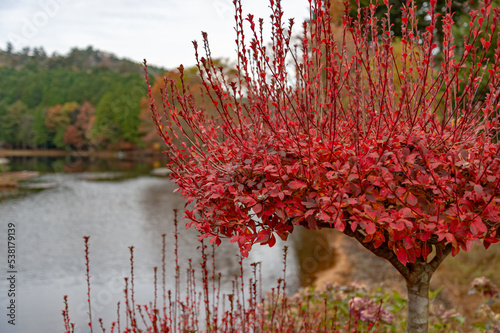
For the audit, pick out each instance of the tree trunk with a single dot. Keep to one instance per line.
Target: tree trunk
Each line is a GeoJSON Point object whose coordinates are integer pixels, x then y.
{"type": "Point", "coordinates": [417, 275]}
{"type": "Point", "coordinates": [417, 283]}
{"type": "Point", "coordinates": [418, 306]}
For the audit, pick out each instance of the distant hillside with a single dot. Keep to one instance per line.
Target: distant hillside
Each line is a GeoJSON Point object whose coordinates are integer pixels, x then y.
{"type": "Point", "coordinates": [76, 59]}
{"type": "Point", "coordinates": [87, 98]}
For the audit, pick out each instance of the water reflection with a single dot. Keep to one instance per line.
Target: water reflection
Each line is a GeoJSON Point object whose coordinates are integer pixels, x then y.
{"type": "Point", "coordinates": [73, 164]}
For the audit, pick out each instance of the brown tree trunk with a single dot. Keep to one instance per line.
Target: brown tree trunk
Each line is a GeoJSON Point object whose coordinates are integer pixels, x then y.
{"type": "Point", "coordinates": [418, 300]}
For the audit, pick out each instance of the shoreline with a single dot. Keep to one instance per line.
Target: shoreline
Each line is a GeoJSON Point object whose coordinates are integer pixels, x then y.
{"type": "Point", "coordinates": [104, 154]}
{"type": "Point", "coordinates": [10, 180]}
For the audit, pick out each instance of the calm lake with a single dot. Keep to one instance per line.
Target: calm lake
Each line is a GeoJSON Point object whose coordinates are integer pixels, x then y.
{"type": "Point", "coordinates": [118, 204]}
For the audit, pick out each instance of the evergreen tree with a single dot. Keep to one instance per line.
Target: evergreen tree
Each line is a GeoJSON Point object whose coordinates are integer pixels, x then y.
{"type": "Point", "coordinates": [11, 123]}
{"type": "Point", "coordinates": [41, 138]}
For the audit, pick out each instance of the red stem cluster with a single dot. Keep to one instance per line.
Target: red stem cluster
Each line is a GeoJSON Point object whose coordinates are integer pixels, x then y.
{"type": "Point", "coordinates": [336, 129]}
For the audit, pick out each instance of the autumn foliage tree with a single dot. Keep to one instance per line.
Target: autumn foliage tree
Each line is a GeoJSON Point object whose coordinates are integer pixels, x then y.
{"type": "Point", "coordinates": [398, 152]}
{"type": "Point", "coordinates": [77, 134]}
{"type": "Point", "coordinates": [57, 121]}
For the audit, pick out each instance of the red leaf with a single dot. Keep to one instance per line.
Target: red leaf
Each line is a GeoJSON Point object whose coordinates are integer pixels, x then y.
{"type": "Point", "coordinates": [425, 236]}
{"type": "Point", "coordinates": [311, 223]}
{"type": "Point", "coordinates": [272, 241]}
{"type": "Point", "coordinates": [324, 216]}
{"type": "Point", "coordinates": [486, 44]}
{"type": "Point", "coordinates": [378, 239]}
{"type": "Point", "coordinates": [263, 236]}
{"type": "Point", "coordinates": [280, 213]}
{"type": "Point", "coordinates": [257, 208]}
{"type": "Point", "coordinates": [467, 246]}
{"type": "Point", "coordinates": [296, 184]}
{"type": "Point", "coordinates": [398, 225]}
{"type": "Point", "coordinates": [426, 250]}
{"type": "Point", "coordinates": [269, 168]}
{"type": "Point", "coordinates": [248, 201]}
{"type": "Point", "coordinates": [492, 240]}
{"type": "Point", "coordinates": [411, 199]}
{"type": "Point", "coordinates": [402, 255]}
{"type": "Point", "coordinates": [270, 210]}
{"type": "Point", "coordinates": [405, 212]}
{"type": "Point", "coordinates": [232, 190]}
{"type": "Point", "coordinates": [478, 225]}
{"type": "Point", "coordinates": [478, 189]}
{"type": "Point", "coordinates": [309, 213]}
{"type": "Point", "coordinates": [370, 228]}
{"type": "Point", "coordinates": [489, 240]}
{"type": "Point", "coordinates": [449, 237]}
{"type": "Point", "coordinates": [354, 225]}
{"type": "Point", "coordinates": [216, 240]}
{"type": "Point", "coordinates": [339, 225]}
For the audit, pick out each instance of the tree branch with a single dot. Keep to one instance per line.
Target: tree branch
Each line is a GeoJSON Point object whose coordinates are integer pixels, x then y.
{"type": "Point", "coordinates": [437, 260]}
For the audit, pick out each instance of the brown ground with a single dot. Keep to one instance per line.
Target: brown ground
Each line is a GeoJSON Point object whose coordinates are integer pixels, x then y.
{"type": "Point", "coordinates": [355, 263]}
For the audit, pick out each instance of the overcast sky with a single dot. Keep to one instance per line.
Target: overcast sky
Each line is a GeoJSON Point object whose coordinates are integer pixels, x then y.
{"type": "Point", "coordinates": [159, 30]}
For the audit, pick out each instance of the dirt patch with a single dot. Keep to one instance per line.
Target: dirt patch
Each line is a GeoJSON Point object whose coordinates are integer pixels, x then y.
{"type": "Point", "coordinates": [10, 180]}
{"type": "Point", "coordinates": [355, 263]}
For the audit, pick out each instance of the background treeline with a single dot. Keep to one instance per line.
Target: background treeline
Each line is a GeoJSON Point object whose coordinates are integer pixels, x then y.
{"type": "Point", "coordinates": [87, 97]}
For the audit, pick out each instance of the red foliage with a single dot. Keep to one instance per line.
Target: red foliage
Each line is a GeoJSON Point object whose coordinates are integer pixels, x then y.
{"type": "Point", "coordinates": [73, 136]}
{"type": "Point", "coordinates": [397, 151]}
{"type": "Point", "coordinates": [76, 134]}
{"type": "Point", "coordinates": [85, 118]}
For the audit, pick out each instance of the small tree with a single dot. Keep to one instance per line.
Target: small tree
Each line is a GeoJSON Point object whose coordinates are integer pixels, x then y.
{"type": "Point", "coordinates": [396, 151]}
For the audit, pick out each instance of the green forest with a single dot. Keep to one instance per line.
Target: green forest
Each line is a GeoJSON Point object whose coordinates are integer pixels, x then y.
{"type": "Point", "coordinates": [87, 98]}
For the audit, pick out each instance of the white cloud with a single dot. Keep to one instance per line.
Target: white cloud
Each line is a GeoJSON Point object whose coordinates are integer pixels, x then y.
{"type": "Point", "coordinates": [160, 31]}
